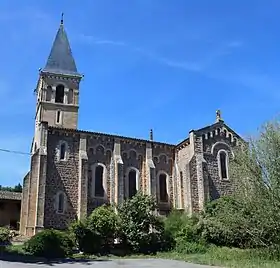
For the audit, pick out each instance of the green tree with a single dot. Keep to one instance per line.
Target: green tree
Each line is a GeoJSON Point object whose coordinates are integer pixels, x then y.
{"type": "Point", "coordinates": [252, 218]}
{"type": "Point", "coordinates": [141, 230]}
{"type": "Point", "coordinates": [96, 233]}
{"type": "Point", "coordinates": [16, 188]}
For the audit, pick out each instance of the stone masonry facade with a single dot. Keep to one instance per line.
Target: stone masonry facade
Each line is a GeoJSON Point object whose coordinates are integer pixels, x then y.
{"type": "Point", "coordinates": [73, 171]}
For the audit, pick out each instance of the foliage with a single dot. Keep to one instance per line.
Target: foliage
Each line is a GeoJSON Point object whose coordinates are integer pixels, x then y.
{"type": "Point", "coordinates": [4, 236]}
{"type": "Point", "coordinates": [50, 244]}
{"type": "Point", "coordinates": [179, 224]}
{"type": "Point", "coordinates": [141, 230]}
{"type": "Point", "coordinates": [225, 222]}
{"type": "Point", "coordinates": [105, 222]}
{"type": "Point", "coordinates": [96, 234]}
{"type": "Point", "coordinates": [185, 247]}
{"type": "Point", "coordinates": [16, 188]}
{"type": "Point", "coordinates": [88, 241]}
{"type": "Point", "coordinates": [251, 218]}
{"type": "Point", "coordinates": [175, 222]}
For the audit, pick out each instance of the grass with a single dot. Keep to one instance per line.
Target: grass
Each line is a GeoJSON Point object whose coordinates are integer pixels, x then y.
{"type": "Point", "coordinates": [225, 257]}
{"type": "Point", "coordinates": [216, 256]}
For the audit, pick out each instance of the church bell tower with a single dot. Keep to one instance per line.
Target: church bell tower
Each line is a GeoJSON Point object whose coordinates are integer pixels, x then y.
{"type": "Point", "coordinates": [58, 86]}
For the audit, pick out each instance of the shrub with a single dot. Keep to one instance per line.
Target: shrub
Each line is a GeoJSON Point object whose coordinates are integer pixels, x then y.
{"type": "Point", "coordinates": [175, 222]}
{"type": "Point", "coordinates": [105, 222]}
{"type": "Point", "coordinates": [4, 236]}
{"type": "Point", "coordinates": [50, 244]}
{"type": "Point", "coordinates": [96, 234]}
{"type": "Point", "coordinates": [88, 241]}
{"type": "Point", "coordinates": [179, 224]}
{"type": "Point", "coordinates": [225, 223]}
{"type": "Point", "coordinates": [185, 247]}
{"type": "Point", "coordinates": [141, 230]}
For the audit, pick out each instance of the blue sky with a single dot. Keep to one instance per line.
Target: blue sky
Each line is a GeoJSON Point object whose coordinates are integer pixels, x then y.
{"type": "Point", "coordinates": [161, 64]}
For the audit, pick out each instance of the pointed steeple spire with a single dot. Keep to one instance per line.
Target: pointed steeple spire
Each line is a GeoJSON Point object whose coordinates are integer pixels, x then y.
{"type": "Point", "coordinates": [61, 60]}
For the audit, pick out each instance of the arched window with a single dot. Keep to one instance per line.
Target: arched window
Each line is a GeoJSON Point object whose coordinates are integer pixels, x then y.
{"type": "Point", "coordinates": [62, 154]}
{"type": "Point", "coordinates": [60, 202]}
{"type": "Point", "coordinates": [163, 194]}
{"type": "Point", "coordinates": [223, 164]}
{"type": "Point", "coordinates": [49, 93]}
{"type": "Point", "coordinates": [59, 94]}
{"type": "Point", "coordinates": [70, 96]}
{"type": "Point", "coordinates": [98, 181]}
{"type": "Point", "coordinates": [132, 183]}
{"type": "Point", "coordinates": [60, 205]}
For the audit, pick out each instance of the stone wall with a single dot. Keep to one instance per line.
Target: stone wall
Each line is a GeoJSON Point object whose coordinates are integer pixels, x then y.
{"type": "Point", "coordinates": [99, 150]}
{"type": "Point", "coordinates": [62, 176]}
{"type": "Point", "coordinates": [191, 168]}
{"type": "Point", "coordinates": [24, 204]}
{"type": "Point", "coordinates": [217, 138]}
{"type": "Point", "coordinates": [32, 194]}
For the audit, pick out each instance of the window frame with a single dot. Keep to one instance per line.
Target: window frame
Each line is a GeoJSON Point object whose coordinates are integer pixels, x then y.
{"type": "Point", "coordinates": [57, 202]}
{"type": "Point", "coordinates": [58, 115]}
{"type": "Point", "coordinates": [167, 187]}
{"type": "Point", "coordinates": [222, 151]}
{"type": "Point", "coordinates": [104, 180]}
{"type": "Point", "coordinates": [127, 180]}
{"type": "Point", "coordinates": [66, 153]}
{"type": "Point", "coordinates": [63, 91]}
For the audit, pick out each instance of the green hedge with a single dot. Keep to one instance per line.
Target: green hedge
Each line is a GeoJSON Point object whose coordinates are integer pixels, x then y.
{"type": "Point", "coordinates": [50, 244]}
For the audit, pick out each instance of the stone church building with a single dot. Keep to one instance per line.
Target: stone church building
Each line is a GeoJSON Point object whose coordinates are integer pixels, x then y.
{"type": "Point", "coordinates": [73, 171]}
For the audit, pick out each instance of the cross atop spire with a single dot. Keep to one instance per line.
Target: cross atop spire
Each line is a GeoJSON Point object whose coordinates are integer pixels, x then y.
{"type": "Point", "coordinates": [60, 60]}
{"type": "Point", "coordinates": [218, 116]}
{"type": "Point", "coordinates": [61, 21]}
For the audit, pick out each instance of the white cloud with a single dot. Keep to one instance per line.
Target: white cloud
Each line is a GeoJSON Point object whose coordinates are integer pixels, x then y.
{"type": "Point", "coordinates": [193, 66]}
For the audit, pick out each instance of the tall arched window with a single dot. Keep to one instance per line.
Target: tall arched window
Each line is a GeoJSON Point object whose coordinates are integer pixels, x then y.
{"type": "Point", "coordinates": [49, 93]}
{"type": "Point", "coordinates": [60, 207]}
{"type": "Point", "coordinates": [62, 154]}
{"type": "Point", "coordinates": [132, 183]}
{"type": "Point", "coordinates": [60, 202]}
{"type": "Point", "coordinates": [223, 164]}
{"type": "Point", "coordinates": [98, 181]}
{"type": "Point", "coordinates": [163, 193]}
{"type": "Point", "coordinates": [59, 94]}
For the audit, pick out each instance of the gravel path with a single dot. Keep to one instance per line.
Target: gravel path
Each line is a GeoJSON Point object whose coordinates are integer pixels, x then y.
{"type": "Point", "coordinates": [118, 263]}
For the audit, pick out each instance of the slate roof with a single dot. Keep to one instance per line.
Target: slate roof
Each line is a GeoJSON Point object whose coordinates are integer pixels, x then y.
{"type": "Point", "coordinates": [60, 60]}
{"type": "Point", "coordinates": [10, 195]}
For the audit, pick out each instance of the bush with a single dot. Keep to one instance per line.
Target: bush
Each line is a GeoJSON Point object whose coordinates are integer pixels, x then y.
{"type": "Point", "coordinates": [141, 230]}
{"type": "Point", "coordinates": [88, 241]}
{"type": "Point", "coordinates": [96, 234]}
{"type": "Point", "coordinates": [175, 222]}
{"type": "Point", "coordinates": [225, 223]}
{"type": "Point", "coordinates": [50, 244]}
{"type": "Point", "coordinates": [105, 222]}
{"type": "Point", "coordinates": [179, 224]}
{"type": "Point", "coordinates": [4, 236]}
